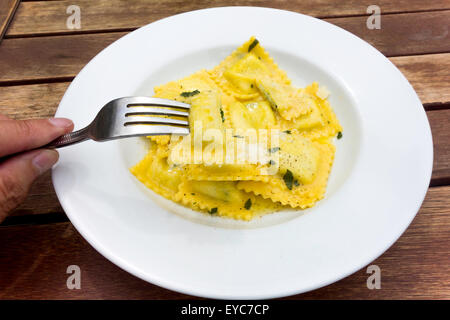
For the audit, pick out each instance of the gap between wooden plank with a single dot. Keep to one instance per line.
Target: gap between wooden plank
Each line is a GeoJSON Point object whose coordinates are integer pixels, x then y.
{"type": "Point", "coordinates": [34, 219]}
{"type": "Point", "coordinates": [53, 34]}
{"type": "Point", "coordinates": [436, 106]}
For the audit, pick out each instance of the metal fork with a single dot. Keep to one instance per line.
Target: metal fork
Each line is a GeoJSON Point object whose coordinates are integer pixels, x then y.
{"type": "Point", "coordinates": [132, 117]}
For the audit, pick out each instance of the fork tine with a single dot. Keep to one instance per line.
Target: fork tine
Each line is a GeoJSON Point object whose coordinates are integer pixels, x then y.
{"type": "Point", "coordinates": [154, 120]}
{"type": "Point", "coordinates": [155, 111]}
{"type": "Point", "coordinates": [148, 101]}
{"type": "Point", "coordinates": [154, 130]}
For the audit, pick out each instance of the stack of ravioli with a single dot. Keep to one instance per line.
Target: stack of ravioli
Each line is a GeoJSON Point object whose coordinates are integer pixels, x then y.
{"type": "Point", "coordinates": [247, 90]}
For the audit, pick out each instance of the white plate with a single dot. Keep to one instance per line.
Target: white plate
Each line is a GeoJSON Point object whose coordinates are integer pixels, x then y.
{"type": "Point", "coordinates": [378, 182]}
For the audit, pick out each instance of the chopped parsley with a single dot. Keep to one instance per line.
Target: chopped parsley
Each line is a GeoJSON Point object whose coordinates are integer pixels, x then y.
{"type": "Point", "coordinates": [287, 131]}
{"type": "Point", "coordinates": [222, 115]}
{"type": "Point", "coordinates": [272, 150]}
{"type": "Point", "coordinates": [296, 183]}
{"type": "Point", "coordinates": [339, 135]}
{"type": "Point", "coordinates": [189, 93]}
{"type": "Point", "coordinates": [252, 45]}
{"type": "Point", "coordinates": [248, 204]}
{"type": "Point", "coordinates": [271, 162]}
{"type": "Point", "coordinates": [288, 179]}
{"type": "Point", "coordinates": [238, 136]}
{"type": "Point", "coordinates": [213, 210]}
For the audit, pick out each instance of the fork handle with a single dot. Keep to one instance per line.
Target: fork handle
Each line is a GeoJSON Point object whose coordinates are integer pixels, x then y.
{"type": "Point", "coordinates": [69, 138]}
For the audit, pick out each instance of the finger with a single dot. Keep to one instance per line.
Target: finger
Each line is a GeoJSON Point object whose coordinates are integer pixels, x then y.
{"type": "Point", "coordinates": [20, 135]}
{"type": "Point", "coordinates": [3, 117]}
{"type": "Point", "coordinates": [18, 173]}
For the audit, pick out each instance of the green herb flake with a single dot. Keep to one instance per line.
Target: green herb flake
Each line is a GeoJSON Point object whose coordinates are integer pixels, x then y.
{"type": "Point", "coordinates": [187, 94]}
{"type": "Point", "coordinates": [248, 204]}
{"type": "Point", "coordinates": [271, 162]}
{"type": "Point", "coordinates": [339, 135]}
{"type": "Point", "coordinates": [238, 136]}
{"type": "Point", "coordinates": [213, 210]}
{"type": "Point", "coordinates": [272, 150]}
{"type": "Point", "coordinates": [287, 131]}
{"type": "Point", "coordinates": [222, 115]}
{"type": "Point", "coordinates": [252, 45]}
{"type": "Point", "coordinates": [288, 179]}
{"type": "Point", "coordinates": [296, 183]}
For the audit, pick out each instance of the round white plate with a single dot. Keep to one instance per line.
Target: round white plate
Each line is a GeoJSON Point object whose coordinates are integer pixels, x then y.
{"type": "Point", "coordinates": [378, 181]}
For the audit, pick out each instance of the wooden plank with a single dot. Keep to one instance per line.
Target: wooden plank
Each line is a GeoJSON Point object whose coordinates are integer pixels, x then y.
{"type": "Point", "coordinates": [62, 57]}
{"type": "Point", "coordinates": [44, 58]}
{"type": "Point", "coordinates": [34, 259]}
{"type": "Point", "coordinates": [440, 127]}
{"type": "Point", "coordinates": [7, 10]}
{"type": "Point", "coordinates": [403, 34]}
{"type": "Point", "coordinates": [41, 199]}
{"type": "Point", "coordinates": [429, 75]}
{"type": "Point", "coordinates": [31, 101]}
{"type": "Point", "coordinates": [44, 17]}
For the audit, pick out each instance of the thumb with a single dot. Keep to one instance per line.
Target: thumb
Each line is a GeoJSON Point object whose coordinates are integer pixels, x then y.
{"type": "Point", "coordinates": [18, 173]}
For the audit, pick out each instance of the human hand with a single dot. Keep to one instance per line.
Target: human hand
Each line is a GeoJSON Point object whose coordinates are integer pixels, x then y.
{"type": "Point", "coordinates": [20, 165]}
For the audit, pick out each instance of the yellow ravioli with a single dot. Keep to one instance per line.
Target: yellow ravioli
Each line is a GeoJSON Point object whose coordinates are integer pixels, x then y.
{"type": "Point", "coordinates": [289, 102]}
{"type": "Point", "coordinates": [299, 195]}
{"type": "Point", "coordinates": [224, 199]}
{"type": "Point", "coordinates": [300, 156]}
{"type": "Point", "coordinates": [254, 114]}
{"type": "Point", "coordinates": [156, 174]}
{"type": "Point", "coordinates": [237, 74]}
{"type": "Point", "coordinates": [321, 122]}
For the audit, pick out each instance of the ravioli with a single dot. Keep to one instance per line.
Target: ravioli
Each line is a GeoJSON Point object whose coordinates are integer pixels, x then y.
{"type": "Point", "coordinates": [304, 187]}
{"type": "Point", "coordinates": [223, 198]}
{"type": "Point", "coordinates": [254, 114]}
{"type": "Point", "coordinates": [287, 100]}
{"type": "Point", "coordinates": [321, 122]}
{"type": "Point", "coordinates": [237, 74]}
{"type": "Point", "coordinates": [257, 144]}
{"type": "Point", "coordinates": [155, 172]}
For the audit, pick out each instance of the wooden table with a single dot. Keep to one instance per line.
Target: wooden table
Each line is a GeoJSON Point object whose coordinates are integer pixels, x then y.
{"type": "Point", "coordinates": [39, 57]}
